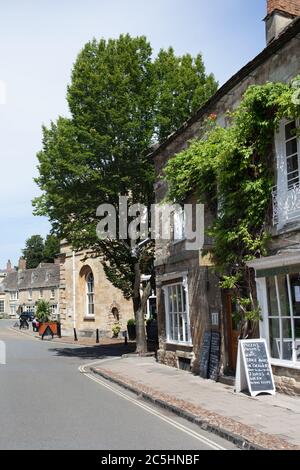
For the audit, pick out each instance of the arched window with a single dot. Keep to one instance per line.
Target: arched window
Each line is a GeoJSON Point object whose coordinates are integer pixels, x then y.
{"type": "Point", "coordinates": [90, 294]}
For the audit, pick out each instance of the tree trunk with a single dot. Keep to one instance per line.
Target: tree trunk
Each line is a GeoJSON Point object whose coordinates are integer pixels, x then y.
{"type": "Point", "coordinates": [138, 306]}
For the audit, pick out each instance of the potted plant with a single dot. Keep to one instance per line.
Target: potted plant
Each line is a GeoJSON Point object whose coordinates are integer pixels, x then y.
{"type": "Point", "coordinates": [131, 329]}
{"type": "Point", "coordinates": [116, 328]}
{"type": "Point", "coordinates": [152, 330]}
{"type": "Point", "coordinates": [43, 315]}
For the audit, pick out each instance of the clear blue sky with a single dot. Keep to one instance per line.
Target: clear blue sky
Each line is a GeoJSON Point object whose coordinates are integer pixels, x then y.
{"type": "Point", "coordinates": [39, 41]}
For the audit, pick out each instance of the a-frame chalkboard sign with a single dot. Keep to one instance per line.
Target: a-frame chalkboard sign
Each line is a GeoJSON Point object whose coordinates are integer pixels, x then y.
{"type": "Point", "coordinates": [254, 372]}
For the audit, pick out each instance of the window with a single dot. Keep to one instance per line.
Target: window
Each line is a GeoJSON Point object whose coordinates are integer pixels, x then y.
{"type": "Point", "coordinates": [54, 311]}
{"type": "Point", "coordinates": [14, 295]}
{"type": "Point", "coordinates": [179, 225]}
{"type": "Point", "coordinates": [90, 294]}
{"type": "Point", "coordinates": [1, 306]}
{"type": "Point", "coordinates": [13, 310]}
{"type": "Point", "coordinates": [30, 294]}
{"type": "Point", "coordinates": [41, 293]}
{"type": "Point", "coordinates": [291, 154]}
{"type": "Point", "coordinates": [283, 293]}
{"type": "Point", "coordinates": [52, 293]}
{"type": "Point", "coordinates": [177, 315]}
{"type": "Point", "coordinates": [286, 195]}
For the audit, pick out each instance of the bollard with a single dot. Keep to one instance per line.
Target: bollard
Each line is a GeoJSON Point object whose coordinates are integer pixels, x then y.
{"type": "Point", "coordinates": [125, 338]}
{"type": "Point", "coordinates": [97, 336]}
{"type": "Point", "coordinates": [75, 335]}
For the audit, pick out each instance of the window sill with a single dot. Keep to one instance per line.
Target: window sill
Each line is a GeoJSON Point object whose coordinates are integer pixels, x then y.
{"type": "Point", "coordinates": [179, 343]}
{"type": "Point", "coordinates": [176, 242]}
{"type": "Point", "coordinates": [89, 319]}
{"type": "Point", "coordinates": [286, 364]}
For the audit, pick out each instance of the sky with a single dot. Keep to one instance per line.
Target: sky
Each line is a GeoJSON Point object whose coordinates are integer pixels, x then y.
{"type": "Point", "coordinates": [39, 42]}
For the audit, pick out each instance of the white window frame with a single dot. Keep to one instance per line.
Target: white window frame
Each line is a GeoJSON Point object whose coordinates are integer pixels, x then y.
{"type": "Point", "coordinates": [29, 294]}
{"type": "Point", "coordinates": [14, 295]}
{"type": "Point", "coordinates": [52, 295]}
{"type": "Point", "coordinates": [186, 340]}
{"type": "Point", "coordinates": [288, 199]}
{"type": "Point", "coordinates": [90, 294]}
{"type": "Point", "coordinates": [262, 296]}
{"type": "Point", "coordinates": [179, 226]}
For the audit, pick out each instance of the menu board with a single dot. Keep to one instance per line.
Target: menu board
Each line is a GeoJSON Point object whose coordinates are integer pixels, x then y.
{"type": "Point", "coordinates": [210, 355]}
{"type": "Point", "coordinates": [214, 356]}
{"type": "Point", "coordinates": [204, 354]}
{"type": "Point", "coordinates": [253, 368]}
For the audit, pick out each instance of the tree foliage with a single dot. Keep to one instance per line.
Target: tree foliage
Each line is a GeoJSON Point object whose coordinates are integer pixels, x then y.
{"type": "Point", "coordinates": [121, 101]}
{"type": "Point", "coordinates": [232, 172]}
{"type": "Point", "coordinates": [38, 251]}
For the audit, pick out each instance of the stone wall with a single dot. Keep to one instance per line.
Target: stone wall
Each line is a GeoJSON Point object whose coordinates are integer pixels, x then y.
{"type": "Point", "coordinates": [110, 305]}
{"type": "Point", "coordinates": [287, 380]}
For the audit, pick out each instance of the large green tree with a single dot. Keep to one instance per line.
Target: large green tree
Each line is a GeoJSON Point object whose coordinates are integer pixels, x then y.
{"type": "Point", "coordinates": [37, 250]}
{"type": "Point", "coordinates": [33, 251]}
{"type": "Point", "coordinates": [121, 102]}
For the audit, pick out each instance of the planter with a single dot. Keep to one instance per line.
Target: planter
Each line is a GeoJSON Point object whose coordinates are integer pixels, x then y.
{"type": "Point", "coordinates": [51, 324]}
{"type": "Point", "coordinates": [131, 332]}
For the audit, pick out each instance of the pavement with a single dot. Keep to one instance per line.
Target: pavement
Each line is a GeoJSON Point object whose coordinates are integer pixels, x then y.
{"type": "Point", "coordinates": [264, 422]}
{"type": "Point", "coordinates": [49, 401]}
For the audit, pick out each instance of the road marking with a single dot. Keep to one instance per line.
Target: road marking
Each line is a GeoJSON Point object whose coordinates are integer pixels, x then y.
{"type": "Point", "coordinates": [180, 427]}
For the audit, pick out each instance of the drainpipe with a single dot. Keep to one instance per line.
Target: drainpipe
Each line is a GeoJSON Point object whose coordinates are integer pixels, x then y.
{"type": "Point", "coordinates": [74, 296]}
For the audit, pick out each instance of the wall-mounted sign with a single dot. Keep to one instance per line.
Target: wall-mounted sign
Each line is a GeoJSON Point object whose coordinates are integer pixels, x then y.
{"type": "Point", "coordinates": [254, 372]}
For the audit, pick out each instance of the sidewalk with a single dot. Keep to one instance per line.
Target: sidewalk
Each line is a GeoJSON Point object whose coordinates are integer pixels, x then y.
{"type": "Point", "coordinates": [264, 422]}
{"type": "Point", "coordinates": [89, 342]}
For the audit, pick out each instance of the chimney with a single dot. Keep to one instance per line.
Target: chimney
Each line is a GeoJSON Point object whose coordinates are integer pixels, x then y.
{"type": "Point", "coordinates": [9, 266]}
{"type": "Point", "coordinates": [280, 14]}
{"type": "Point", "coordinates": [22, 264]}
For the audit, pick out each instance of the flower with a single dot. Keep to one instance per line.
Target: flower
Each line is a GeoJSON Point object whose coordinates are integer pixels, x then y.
{"type": "Point", "coordinates": [212, 117]}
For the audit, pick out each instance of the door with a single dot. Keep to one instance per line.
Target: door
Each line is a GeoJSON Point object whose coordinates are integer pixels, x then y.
{"type": "Point", "coordinates": [233, 331]}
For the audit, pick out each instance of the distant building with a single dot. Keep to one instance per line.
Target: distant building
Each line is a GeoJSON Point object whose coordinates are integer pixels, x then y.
{"type": "Point", "coordinates": [88, 301]}
{"type": "Point", "coordinates": [20, 290]}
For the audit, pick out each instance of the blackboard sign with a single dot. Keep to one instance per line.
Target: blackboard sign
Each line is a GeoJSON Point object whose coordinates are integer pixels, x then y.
{"type": "Point", "coordinates": [204, 354]}
{"type": "Point", "coordinates": [253, 368]}
{"type": "Point", "coordinates": [214, 357]}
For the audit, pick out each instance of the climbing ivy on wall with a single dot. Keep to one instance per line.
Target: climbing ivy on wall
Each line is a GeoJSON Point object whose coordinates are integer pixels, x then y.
{"type": "Point", "coordinates": [232, 171]}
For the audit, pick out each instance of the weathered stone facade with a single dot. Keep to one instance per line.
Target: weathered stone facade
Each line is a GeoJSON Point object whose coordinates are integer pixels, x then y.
{"type": "Point", "coordinates": [279, 62]}
{"type": "Point", "coordinates": [110, 307]}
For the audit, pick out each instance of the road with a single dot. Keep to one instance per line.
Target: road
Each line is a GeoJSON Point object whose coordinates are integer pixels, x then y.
{"type": "Point", "coordinates": [46, 403]}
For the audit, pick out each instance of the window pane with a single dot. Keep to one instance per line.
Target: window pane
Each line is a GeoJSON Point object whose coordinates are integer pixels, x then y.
{"type": "Point", "coordinates": [292, 164]}
{"type": "Point", "coordinates": [290, 130]}
{"type": "Point", "coordinates": [272, 299]}
{"type": "Point", "coordinates": [291, 147]}
{"type": "Point", "coordinates": [283, 295]}
{"type": "Point", "coordinates": [180, 306]}
{"type": "Point", "coordinates": [171, 326]}
{"type": "Point", "coordinates": [297, 337]}
{"type": "Point", "coordinates": [181, 328]}
{"type": "Point", "coordinates": [295, 288]}
{"type": "Point", "coordinates": [287, 339]}
{"type": "Point", "coordinates": [176, 327]}
{"type": "Point", "coordinates": [274, 337]}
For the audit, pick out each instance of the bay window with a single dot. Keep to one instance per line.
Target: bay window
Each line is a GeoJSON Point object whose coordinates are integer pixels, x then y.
{"type": "Point", "coordinates": [283, 300]}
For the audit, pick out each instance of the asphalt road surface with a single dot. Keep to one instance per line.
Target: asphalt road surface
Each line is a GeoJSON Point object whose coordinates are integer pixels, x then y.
{"type": "Point", "coordinates": [47, 403]}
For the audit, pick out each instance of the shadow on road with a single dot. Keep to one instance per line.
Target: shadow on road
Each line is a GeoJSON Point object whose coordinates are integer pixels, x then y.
{"type": "Point", "coordinates": [95, 352]}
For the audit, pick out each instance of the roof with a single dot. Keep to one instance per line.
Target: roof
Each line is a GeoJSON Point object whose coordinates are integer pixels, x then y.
{"type": "Point", "coordinates": [288, 33]}
{"type": "Point", "coordinates": [44, 276]}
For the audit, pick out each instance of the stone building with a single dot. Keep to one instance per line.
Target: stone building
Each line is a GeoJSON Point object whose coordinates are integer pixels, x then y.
{"type": "Point", "coordinates": [3, 274]}
{"type": "Point", "coordinates": [23, 288]}
{"type": "Point", "coordinates": [189, 298]}
{"type": "Point", "coordinates": [88, 301]}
